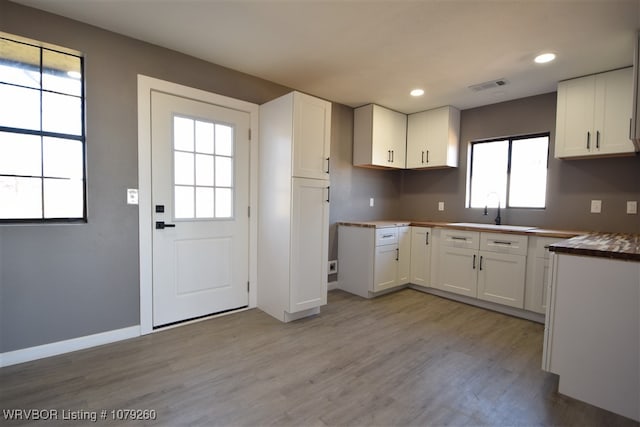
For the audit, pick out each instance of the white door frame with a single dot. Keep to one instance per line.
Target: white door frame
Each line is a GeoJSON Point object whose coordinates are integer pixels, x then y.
{"type": "Point", "coordinates": [146, 85]}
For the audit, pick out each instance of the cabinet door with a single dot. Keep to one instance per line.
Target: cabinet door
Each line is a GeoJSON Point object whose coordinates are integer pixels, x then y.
{"type": "Point", "coordinates": [420, 255]}
{"type": "Point", "coordinates": [386, 267]}
{"type": "Point", "coordinates": [309, 244]}
{"type": "Point", "coordinates": [311, 136]}
{"type": "Point", "coordinates": [540, 278]}
{"type": "Point", "coordinates": [501, 278]}
{"type": "Point", "coordinates": [575, 117]}
{"type": "Point", "coordinates": [404, 255]}
{"type": "Point", "coordinates": [457, 270]}
{"type": "Point", "coordinates": [613, 112]}
{"type": "Point", "coordinates": [389, 138]}
{"type": "Point", "coordinates": [432, 138]}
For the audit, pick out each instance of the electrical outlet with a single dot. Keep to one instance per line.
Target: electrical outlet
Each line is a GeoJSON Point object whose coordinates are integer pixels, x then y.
{"type": "Point", "coordinates": [371, 202]}
{"type": "Point", "coordinates": [440, 206]}
{"type": "Point", "coordinates": [596, 206]}
{"type": "Point", "coordinates": [333, 266]}
{"type": "Point", "coordinates": [632, 207]}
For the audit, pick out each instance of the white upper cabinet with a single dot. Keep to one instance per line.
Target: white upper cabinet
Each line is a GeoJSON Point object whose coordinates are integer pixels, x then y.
{"type": "Point", "coordinates": [593, 115]}
{"type": "Point", "coordinates": [311, 136]}
{"type": "Point", "coordinates": [432, 138]}
{"type": "Point", "coordinates": [379, 137]}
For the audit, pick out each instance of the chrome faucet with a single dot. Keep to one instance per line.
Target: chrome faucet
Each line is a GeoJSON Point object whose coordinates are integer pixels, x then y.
{"type": "Point", "coordinates": [498, 219]}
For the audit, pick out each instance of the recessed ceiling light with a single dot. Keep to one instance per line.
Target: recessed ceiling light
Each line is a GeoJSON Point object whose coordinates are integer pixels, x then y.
{"type": "Point", "coordinates": [417, 92]}
{"type": "Point", "coordinates": [74, 74]}
{"type": "Point", "coordinates": [544, 58]}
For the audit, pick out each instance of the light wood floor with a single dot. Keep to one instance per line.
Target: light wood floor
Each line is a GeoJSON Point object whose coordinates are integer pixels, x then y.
{"type": "Point", "coordinates": [407, 358]}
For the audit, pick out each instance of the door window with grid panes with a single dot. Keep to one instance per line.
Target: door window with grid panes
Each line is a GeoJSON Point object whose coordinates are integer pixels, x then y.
{"type": "Point", "coordinates": [203, 169]}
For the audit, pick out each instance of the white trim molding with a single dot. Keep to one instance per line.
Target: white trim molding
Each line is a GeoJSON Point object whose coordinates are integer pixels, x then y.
{"type": "Point", "coordinates": [147, 85]}
{"type": "Point", "coordinates": [67, 346]}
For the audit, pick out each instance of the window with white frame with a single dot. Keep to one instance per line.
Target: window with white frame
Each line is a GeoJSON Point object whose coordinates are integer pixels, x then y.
{"type": "Point", "coordinates": [511, 172]}
{"type": "Point", "coordinates": [42, 137]}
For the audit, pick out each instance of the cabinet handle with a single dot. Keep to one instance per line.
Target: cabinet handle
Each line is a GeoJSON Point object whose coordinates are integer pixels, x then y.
{"type": "Point", "coordinates": [480, 262]}
{"type": "Point", "coordinates": [588, 140]}
{"type": "Point", "coordinates": [427, 156]}
{"type": "Point", "coordinates": [458, 238]}
{"type": "Point", "coordinates": [474, 262]}
{"type": "Point", "coordinates": [386, 236]}
{"type": "Point", "coordinates": [427, 238]}
{"type": "Point", "coordinates": [501, 242]}
{"type": "Point", "coordinates": [328, 160]}
{"type": "Point", "coordinates": [397, 254]}
{"type": "Point", "coordinates": [389, 156]}
{"type": "Point", "coordinates": [328, 194]}
{"type": "Point", "coordinates": [423, 157]}
{"type": "Point", "coordinates": [598, 139]}
{"type": "Point", "coordinates": [392, 156]}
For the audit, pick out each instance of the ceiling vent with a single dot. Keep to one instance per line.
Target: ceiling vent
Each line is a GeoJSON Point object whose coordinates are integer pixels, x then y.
{"type": "Point", "coordinates": [489, 85]}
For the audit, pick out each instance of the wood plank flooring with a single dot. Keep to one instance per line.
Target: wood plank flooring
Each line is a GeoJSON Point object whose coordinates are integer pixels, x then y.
{"type": "Point", "coordinates": [404, 359]}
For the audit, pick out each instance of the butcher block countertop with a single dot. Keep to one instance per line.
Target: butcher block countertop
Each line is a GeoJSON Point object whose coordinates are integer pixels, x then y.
{"type": "Point", "coordinates": [510, 229]}
{"type": "Point", "coordinates": [606, 245]}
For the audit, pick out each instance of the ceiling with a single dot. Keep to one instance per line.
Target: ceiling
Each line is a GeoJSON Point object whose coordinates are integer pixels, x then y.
{"type": "Point", "coordinates": [361, 51]}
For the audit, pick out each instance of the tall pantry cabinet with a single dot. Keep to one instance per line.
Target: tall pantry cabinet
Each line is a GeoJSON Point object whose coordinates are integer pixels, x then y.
{"type": "Point", "coordinates": [294, 195]}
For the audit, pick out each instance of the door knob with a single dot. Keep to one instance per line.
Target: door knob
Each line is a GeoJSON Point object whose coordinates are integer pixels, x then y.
{"type": "Point", "coordinates": [160, 225]}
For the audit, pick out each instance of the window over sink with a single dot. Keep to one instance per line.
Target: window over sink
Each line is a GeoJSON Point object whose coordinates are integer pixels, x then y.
{"type": "Point", "coordinates": [508, 171]}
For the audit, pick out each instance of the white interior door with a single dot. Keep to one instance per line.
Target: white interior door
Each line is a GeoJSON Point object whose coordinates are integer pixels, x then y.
{"type": "Point", "coordinates": [200, 198]}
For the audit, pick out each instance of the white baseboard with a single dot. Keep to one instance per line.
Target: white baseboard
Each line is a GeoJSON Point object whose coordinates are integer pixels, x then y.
{"type": "Point", "coordinates": [332, 285]}
{"type": "Point", "coordinates": [67, 346]}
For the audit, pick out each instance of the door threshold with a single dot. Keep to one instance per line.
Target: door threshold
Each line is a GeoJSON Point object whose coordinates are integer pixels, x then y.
{"type": "Point", "coordinates": [192, 320]}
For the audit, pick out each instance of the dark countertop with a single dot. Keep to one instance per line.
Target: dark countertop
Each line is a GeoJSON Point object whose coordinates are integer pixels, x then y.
{"type": "Point", "coordinates": [606, 245]}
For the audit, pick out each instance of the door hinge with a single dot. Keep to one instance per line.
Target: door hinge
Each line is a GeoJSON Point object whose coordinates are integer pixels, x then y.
{"type": "Point", "coordinates": [248, 286]}
{"type": "Point", "coordinates": [249, 134]}
{"type": "Point", "coordinates": [249, 211]}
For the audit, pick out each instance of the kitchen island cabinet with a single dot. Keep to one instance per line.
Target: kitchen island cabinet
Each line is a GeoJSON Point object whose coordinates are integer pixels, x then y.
{"type": "Point", "coordinates": [592, 334]}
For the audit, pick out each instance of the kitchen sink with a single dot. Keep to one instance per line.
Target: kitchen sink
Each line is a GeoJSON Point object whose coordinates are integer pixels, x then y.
{"type": "Point", "coordinates": [503, 227]}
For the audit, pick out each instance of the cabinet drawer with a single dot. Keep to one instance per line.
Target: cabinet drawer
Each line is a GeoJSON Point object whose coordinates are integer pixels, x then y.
{"type": "Point", "coordinates": [504, 243]}
{"type": "Point", "coordinates": [542, 246]}
{"type": "Point", "coordinates": [386, 236]}
{"type": "Point", "coordinates": [460, 239]}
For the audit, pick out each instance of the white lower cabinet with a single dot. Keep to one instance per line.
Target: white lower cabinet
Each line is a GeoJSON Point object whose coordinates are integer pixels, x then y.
{"type": "Point", "coordinates": [420, 266]}
{"type": "Point", "coordinates": [487, 266]}
{"type": "Point", "coordinates": [501, 278]}
{"type": "Point", "coordinates": [373, 259]}
{"type": "Point", "coordinates": [537, 281]}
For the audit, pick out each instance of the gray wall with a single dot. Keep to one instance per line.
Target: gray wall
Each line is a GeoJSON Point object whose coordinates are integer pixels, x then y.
{"type": "Point", "coordinates": [571, 183]}
{"type": "Point", "coordinates": [65, 281]}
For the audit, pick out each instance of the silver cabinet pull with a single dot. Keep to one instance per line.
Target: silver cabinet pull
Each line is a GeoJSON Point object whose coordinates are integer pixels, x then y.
{"type": "Point", "coordinates": [328, 160]}
{"type": "Point", "coordinates": [423, 157]}
{"type": "Point", "coordinates": [329, 194]}
{"type": "Point", "coordinates": [397, 254]}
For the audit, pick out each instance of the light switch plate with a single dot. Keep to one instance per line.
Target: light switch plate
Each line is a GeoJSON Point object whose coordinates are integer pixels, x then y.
{"type": "Point", "coordinates": [596, 206]}
{"type": "Point", "coordinates": [632, 207]}
{"type": "Point", "coordinates": [371, 202]}
{"type": "Point", "coordinates": [441, 206]}
{"type": "Point", "coordinates": [132, 196]}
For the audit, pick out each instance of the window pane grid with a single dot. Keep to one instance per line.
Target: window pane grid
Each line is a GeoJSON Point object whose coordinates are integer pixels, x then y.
{"type": "Point", "coordinates": [203, 169]}
{"type": "Point", "coordinates": [51, 113]}
{"type": "Point", "coordinates": [511, 172]}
